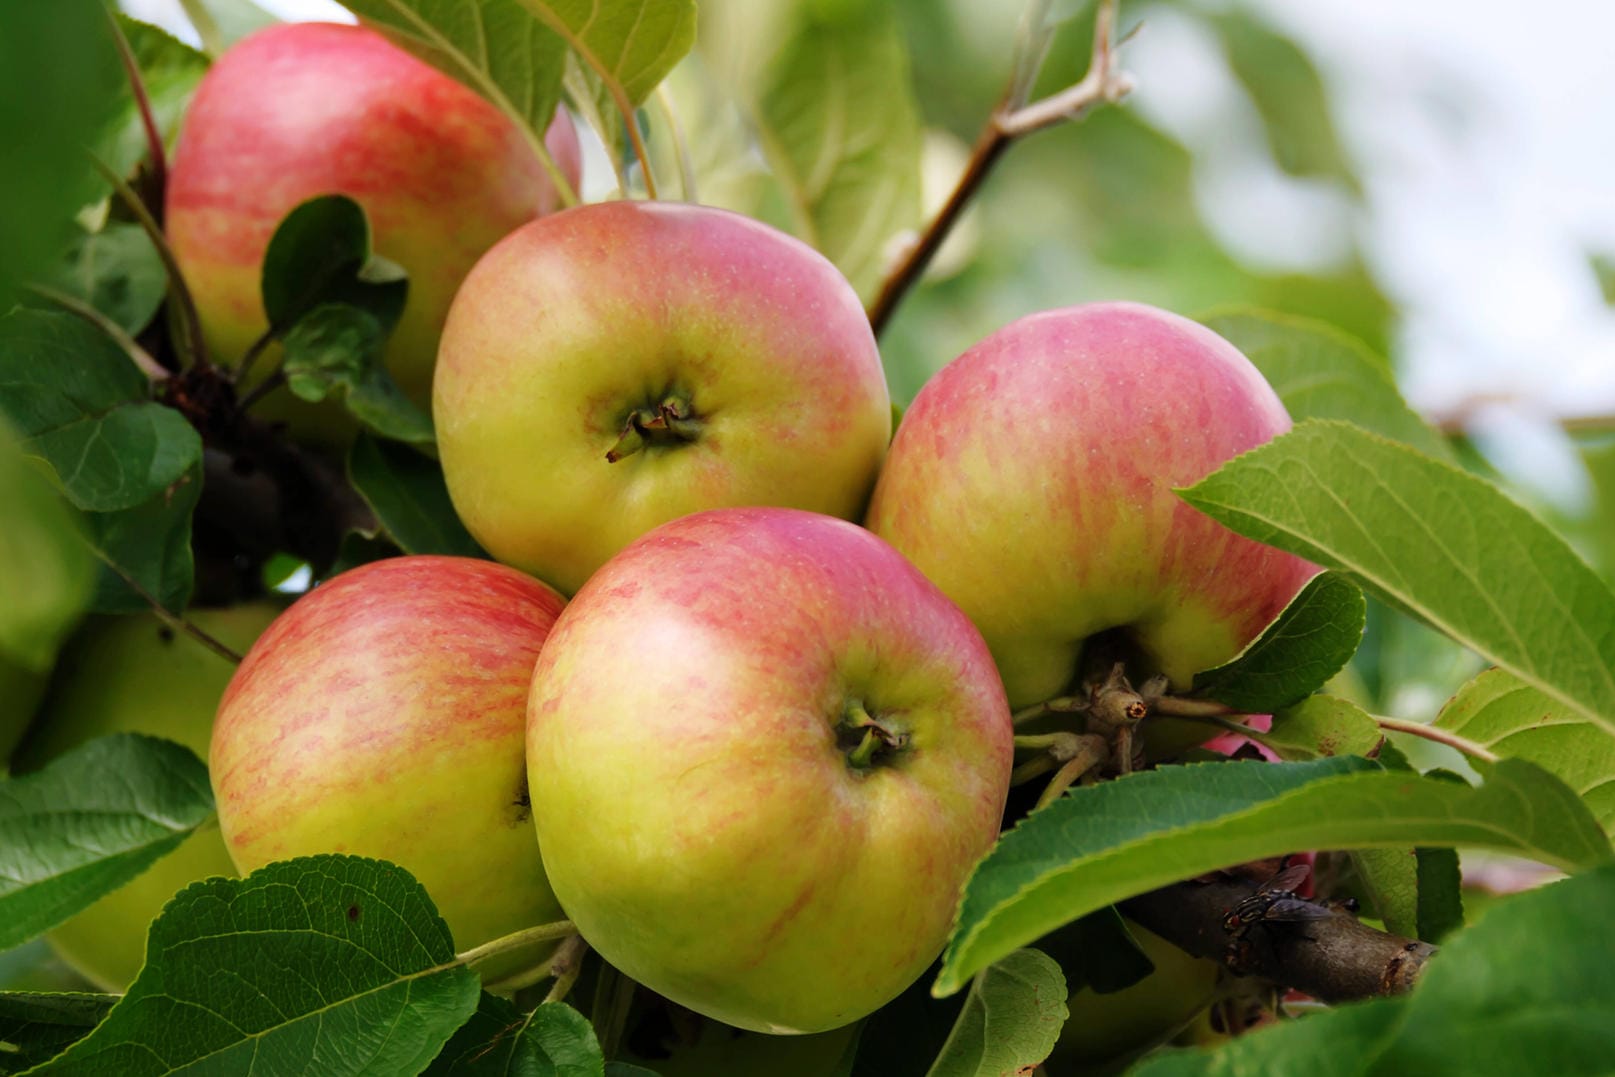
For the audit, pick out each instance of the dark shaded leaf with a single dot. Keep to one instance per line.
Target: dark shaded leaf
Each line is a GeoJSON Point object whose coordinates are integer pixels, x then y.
{"type": "Point", "coordinates": [407, 494]}
{"type": "Point", "coordinates": [82, 407]}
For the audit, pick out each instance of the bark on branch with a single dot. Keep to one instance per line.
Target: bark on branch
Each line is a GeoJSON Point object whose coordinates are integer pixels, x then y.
{"type": "Point", "coordinates": [1337, 958]}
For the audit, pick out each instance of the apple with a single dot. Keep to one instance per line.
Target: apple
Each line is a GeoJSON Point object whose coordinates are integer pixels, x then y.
{"type": "Point", "coordinates": [1106, 1028]}
{"type": "Point", "coordinates": [382, 715]}
{"type": "Point", "coordinates": [1032, 480]}
{"type": "Point", "coordinates": [765, 753]}
{"type": "Point", "coordinates": [615, 366]}
{"type": "Point", "coordinates": [305, 109]}
{"type": "Point", "coordinates": [134, 674]}
{"type": "Point", "coordinates": [20, 691]}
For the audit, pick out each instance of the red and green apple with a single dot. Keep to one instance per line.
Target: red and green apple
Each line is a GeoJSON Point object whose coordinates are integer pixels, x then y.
{"type": "Point", "coordinates": [382, 715]}
{"type": "Point", "coordinates": [1032, 480]}
{"type": "Point", "coordinates": [765, 753]}
{"type": "Point", "coordinates": [305, 109]}
{"type": "Point", "coordinates": [615, 366]}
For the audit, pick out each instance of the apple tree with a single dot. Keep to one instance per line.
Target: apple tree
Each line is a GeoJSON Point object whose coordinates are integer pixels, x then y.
{"type": "Point", "coordinates": [1081, 743]}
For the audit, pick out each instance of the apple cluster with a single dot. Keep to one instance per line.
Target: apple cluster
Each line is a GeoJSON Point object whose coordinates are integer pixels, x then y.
{"type": "Point", "coordinates": [735, 697]}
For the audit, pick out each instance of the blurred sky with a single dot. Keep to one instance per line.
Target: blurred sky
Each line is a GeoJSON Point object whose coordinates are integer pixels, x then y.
{"type": "Point", "coordinates": [1484, 141]}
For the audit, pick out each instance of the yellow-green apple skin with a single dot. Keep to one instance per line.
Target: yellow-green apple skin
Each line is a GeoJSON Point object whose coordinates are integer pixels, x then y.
{"type": "Point", "coordinates": [1119, 1024]}
{"type": "Point", "coordinates": [703, 812]}
{"type": "Point", "coordinates": [382, 716]}
{"type": "Point", "coordinates": [306, 109]}
{"type": "Point", "coordinates": [134, 674]}
{"type": "Point", "coordinates": [20, 692]}
{"type": "Point", "coordinates": [576, 323]}
{"type": "Point", "coordinates": [1032, 480]}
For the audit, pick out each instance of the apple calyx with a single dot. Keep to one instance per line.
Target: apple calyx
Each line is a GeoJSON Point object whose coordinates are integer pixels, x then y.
{"type": "Point", "coordinates": [670, 422]}
{"type": "Point", "coordinates": [867, 742]}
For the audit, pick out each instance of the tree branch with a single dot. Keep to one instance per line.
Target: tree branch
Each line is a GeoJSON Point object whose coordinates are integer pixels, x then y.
{"type": "Point", "coordinates": [1104, 83]}
{"type": "Point", "coordinates": [1337, 958]}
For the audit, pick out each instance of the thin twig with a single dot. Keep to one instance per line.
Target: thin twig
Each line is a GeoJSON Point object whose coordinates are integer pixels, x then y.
{"type": "Point", "coordinates": [1103, 84]}
{"type": "Point", "coordinates": [172, 620]}
{"type": "Point", "coordinates": [254, 350]}
{"type": "Point", "coordinates": [131, 347]}
{"type": "Point", "coordinates": [137, 86]}
{"type": "Point", "coordinates": [177, 288]}
{"type": "Point", "coordinates": [1440, 736]}
{"type": "Point", "coordinates": [262, 389]}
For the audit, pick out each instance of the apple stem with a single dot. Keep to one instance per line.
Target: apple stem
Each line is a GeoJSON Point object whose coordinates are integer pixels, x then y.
{"type": "Point", "coordinates": [1058, 705]}
{"type": "Point", "coordinates": [527, 936]}
{"type": "Point", "coordinates": [1088, 758]}
{"type": "Point", "coordinates": [863, 756]}
{"type": "Point", "coordinates": [875, 736]}
{"type": "Point", "coordinates": [1178, 707]}
{"type": "Point", "coordinates": [670, 421]}
{"type": "Point", "coordinates": [565, 967]}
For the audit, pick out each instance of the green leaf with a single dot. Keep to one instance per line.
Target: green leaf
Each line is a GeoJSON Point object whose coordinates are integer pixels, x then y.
{"type": "Point", "coordinates": [407, 494]}
{"type": "Point", "coordinates": [1288, 94]}
{"type": "Point", "coordinates": [630, 44]}
{"type": "Point", "coordinates": [221, 23]}
{"type": "Point", "coordinates": [1529, 989]}
{"type": "Point", "coordinates": [1441, 897]}
{"type": "Point", "coordinates": [1501, 712]}
{"type": "Point", "coordinates": [591, 99]}
{"type": "Point", "coordinates": [1097, 951]}
{"type": "Point", "coordinates": [1600, 463]}
{"type": "Point", "coordinates": [501, 1041]}
{"type": "Point", "coordinates": [1435, 542]}
{"type": "Point", "coordinates": [1321, 373]}
{"type": "Point", "coordinates": [1100, 844]}
{"type": "Point", "coordinates": [1390, 886]}
{"type": "Point", "coordinates": [45, 572]}
{"type": "Point", "coordinates": [83, 408]}
{"type": "Point", "coordinates": [1321, 726]}
{"type": "Point", "coordinates": [836, 118]}
{"type": "Point", "coordinates": [902, 1037]}
{"type": "Point", "coordinates": [1011, 1020]}
{"type": "Point", "coordinates": [116, 271]}
{"type": "Point", "coordinates": [36, 1026]}
{"type": "Point", "coordinates": [336, 348]}
{"type": "Point", "coordinates": [329, 964]}
{"type": "Point", "coordinates": [497, 47]}
{"type": "Point", "coordinates": [1308, 643]}
{"type": "Point", "coordinates": [58, 70]}
{"type": "Point", "coordinates": [320, 254]}
{"type": "Point", "coordinates": [89, 822]}
{"type": "Point", "coordinates": [150, 545]}
{"type": "Point", "coordinates": [1603, 267]}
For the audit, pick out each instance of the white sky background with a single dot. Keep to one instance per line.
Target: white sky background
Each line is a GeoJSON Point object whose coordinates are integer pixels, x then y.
{"type": "Point", "coordinates": [1486, 143]}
